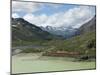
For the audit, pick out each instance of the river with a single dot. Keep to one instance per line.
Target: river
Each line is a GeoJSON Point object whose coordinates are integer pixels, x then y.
{"type": "Point", "coordinates": [33, 62]}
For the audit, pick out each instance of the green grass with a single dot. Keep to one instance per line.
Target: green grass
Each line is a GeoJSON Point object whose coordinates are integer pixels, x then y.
{"type": "Point", "coordinates": [84, 44]}
{"type": "Point", "coordinates": [32, 50]}
{"type": "Point", "coordinates": [23, 43]}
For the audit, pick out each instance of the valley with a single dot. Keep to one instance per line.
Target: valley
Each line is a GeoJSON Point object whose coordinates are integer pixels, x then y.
{"type": "Point", "coordinates": [33, 47]}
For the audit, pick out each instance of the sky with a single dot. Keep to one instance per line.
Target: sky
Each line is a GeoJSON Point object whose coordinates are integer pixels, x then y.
{"type": "Point", "coordinates": [50, 14]}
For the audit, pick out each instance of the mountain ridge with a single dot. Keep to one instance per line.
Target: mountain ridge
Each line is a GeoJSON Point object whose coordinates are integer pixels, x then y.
{"type": "Point", "coordinates": [88, 26]}
{"type": "Point", "coordinates": [23, 30]}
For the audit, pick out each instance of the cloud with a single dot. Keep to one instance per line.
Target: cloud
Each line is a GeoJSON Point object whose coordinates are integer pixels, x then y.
{"type": "Point", "coordinates": [73, 17]}
{"type": "Point", "coordinates": [24, 7]}
{"type": "Point", "coordinates": [15, 15]}
{"type": "Point", "coordinates": [38, 20]}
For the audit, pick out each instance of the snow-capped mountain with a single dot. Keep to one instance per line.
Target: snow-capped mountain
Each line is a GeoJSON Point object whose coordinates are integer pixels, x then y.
{"type": "Point", "coordinates": [66, 32]}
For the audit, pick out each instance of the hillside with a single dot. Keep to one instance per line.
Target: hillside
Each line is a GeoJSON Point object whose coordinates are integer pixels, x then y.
{"type": "Point", "coordinates": [23, 31]}
{"type": "Point", "coordinates": [85, 43]}
{"type": "Point", "coordinates": [89, 26]}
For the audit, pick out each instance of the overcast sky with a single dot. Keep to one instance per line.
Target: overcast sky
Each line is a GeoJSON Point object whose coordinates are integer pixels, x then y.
{"type": "Point", "coordinates": [56, 15]}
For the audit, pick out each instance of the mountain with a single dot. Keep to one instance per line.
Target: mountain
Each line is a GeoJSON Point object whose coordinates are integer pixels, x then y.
{"type": "Point", "coordinates": [89, 26]}
{"type": "Point", "coordinates": [68, 32]}
{"type": "Point", "coordinates": [25, 31]}
{"type": "Point", "coordinates": [65, 32]}
{"type": "Point", "coordinates": [84, 43]}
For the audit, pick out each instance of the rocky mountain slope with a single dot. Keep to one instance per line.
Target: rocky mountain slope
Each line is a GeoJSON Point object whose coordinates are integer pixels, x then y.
{"type": "Point", "coordinates": [89, 26]}
{"type": "Point", "coordinates": [25, 31]}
